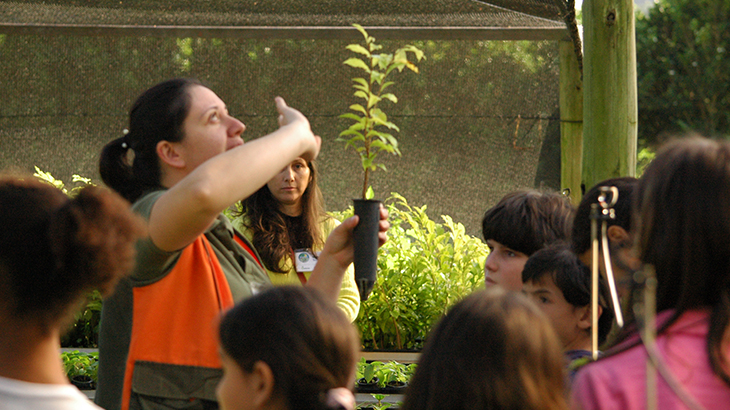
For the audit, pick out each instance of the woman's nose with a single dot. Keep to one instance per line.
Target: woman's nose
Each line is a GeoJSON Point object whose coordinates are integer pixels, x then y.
{"type": "Point", "coordinates": [288, 174]}
{"type": "Point", "coordinates": [236, 128]}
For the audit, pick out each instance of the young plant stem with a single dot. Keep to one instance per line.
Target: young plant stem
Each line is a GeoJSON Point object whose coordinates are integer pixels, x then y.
{"type": "Point", "coordinates": [367, 170]}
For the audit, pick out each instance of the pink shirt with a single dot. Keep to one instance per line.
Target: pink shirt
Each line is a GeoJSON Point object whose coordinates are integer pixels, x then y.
{"type": "Point", "coordinates": [619, 382]}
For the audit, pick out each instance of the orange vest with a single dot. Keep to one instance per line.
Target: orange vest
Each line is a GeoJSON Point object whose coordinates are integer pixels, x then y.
{"type": "Point", "coordinates": [174, 319]}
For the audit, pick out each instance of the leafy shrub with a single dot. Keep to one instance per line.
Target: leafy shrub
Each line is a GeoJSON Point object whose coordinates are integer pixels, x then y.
{"type": "Point", "coordinates": [423, 269]}
{"type": "Point", "coordinates": [683, 69]}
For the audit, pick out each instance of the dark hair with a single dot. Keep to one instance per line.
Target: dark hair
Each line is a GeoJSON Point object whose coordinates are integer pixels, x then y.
{"type": "Point", "coordinates": [309, 344]}
{"type": "Point", "coordinates": [573, 278]}
{"type": "Point", "coordinates": [157, 115]}
{"type": "Point", "coordinates": [493, 350]}
{"type": "Point", "coordinates": [269, 227]}
{"type": "Point", "coordinates": [54, 249]}
{"type": "Point", "coordinates": [526, 221]}
{"type": "Point", "coordinates": [682, 206]}
{"type": "Point", "coordinates": [581, 239]}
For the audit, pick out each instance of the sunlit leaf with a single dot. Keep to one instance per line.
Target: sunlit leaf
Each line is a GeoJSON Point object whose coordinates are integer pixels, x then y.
{"type": "Point", "coordinates": [357, 63]}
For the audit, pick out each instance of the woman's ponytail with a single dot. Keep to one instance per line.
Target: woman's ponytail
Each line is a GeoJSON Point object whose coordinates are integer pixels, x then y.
{"type": "Point", "coordinates": [116, 170]}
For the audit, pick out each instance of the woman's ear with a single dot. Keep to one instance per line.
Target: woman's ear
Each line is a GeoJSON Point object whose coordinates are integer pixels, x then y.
{"type": "Point", "coordinates": [262, 384]}
{"type": "Point", "coordinates": [169, 154]}
{"type": "Point", "coordinates": [619, 236]}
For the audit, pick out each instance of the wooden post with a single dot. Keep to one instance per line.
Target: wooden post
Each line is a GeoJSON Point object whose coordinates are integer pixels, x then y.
{"type": "Point", "coordinates": [571, 121]}
{"type": "Point", "coordinates": [609, 79]}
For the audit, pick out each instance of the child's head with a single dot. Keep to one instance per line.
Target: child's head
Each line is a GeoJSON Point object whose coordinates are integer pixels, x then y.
{"type": "Point", "coordinates": [493, 350]}
{"type": "Point", "coordinates": [560, 284]}
{"type": "Point", "coordinates": [54, 249]}
{"type": "Point", "coordinates": [520, 224]}
{"type": "Point", "coordinates": [623, 260]}
{"type": "Point", "coordinates": [286, 347]}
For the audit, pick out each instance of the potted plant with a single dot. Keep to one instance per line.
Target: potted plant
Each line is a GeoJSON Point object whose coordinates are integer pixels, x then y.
{"type": "Point", "coordinates": [81, 368]}
{"type": "Point", "coordinates": [367, 379]}
{"type": "Point", "coordinates": [395, 377]}
{"type": "Point", "coordinates": [368, 135]}
{"type": "Point", "coordinates": [378, 405]}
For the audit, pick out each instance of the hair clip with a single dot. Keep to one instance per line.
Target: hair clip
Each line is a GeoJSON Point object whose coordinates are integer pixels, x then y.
{"type": "Point", "coordinates": [124, 142]}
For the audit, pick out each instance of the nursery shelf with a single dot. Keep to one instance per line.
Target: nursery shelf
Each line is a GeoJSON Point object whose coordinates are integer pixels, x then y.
{"type": "Point", "coordinates": [400, 357]}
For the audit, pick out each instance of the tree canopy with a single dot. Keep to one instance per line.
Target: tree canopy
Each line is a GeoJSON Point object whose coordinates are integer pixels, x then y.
{"type": "Point", "coordinates": [683, 69]}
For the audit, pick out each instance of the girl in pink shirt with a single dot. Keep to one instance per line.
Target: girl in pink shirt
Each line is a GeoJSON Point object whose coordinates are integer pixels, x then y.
{"type": "Point", "coordinates": [682, 209]}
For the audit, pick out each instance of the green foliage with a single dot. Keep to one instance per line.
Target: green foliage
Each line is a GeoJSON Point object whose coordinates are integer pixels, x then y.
{"type": "Point", "coordinates": [182, 58]}
{"type": "Point", "coordinates": [683, 68]}
{"type": "Point", "coordinates": [79, 181]}
{"type": "Point", "coordinates": [385, 372]}
{"type": "Point", "coordinates": [378, 405]}
{"type": "Point", "coordinates": [76, 363]}
{"type": "Point", "coordinates": [366, 135]}
{"type": "Point", "coordinates": [424, 268]}
{"type": "Point", "coordinates": [393, 371]}
{"type": "Point", "coordinates": [367, 370]}
{"type": "Point", "coordinates": [84, 332]}
{"type": "Point", "coordinates": [643, 158]}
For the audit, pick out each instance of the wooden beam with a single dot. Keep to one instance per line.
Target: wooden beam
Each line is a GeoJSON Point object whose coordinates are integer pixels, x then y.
{"type": "Point", "coordinates": [571, 122]}
{"type": "Point", "coordinates": [286, 32]}
{"type": "Point", "coordinates": [609, 74]}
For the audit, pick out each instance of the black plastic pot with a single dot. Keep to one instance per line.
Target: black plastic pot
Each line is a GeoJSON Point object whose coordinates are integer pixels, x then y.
{"type": "Point", "coordinates": [395, 387]}
{"type": "Point", "coordinates": [366, 245]}
{"type": "Point", "coordinates": [368, 387]}
{"type": "Point", "coordinates": [83, 382]}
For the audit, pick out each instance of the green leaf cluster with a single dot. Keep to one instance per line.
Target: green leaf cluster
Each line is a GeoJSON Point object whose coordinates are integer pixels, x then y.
{"type": "Point", "coordinates": [76, 179]}
{"type": "Point", "coordinates": [84, 332]}
{"type": "Point", "coordinates": [77, 363]}
{"type": "Point", "coordinates": [370, 132]}
{"type": "Point", "coordinates": [390, 371]}
{"type": "Point", "coordinates": [423, 269]}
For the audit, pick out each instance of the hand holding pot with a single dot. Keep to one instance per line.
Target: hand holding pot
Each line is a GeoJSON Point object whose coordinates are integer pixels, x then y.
{"type": "Point", "coordinates": [339, 253]}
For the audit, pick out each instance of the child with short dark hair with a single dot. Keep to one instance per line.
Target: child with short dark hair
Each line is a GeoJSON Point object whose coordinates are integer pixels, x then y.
{"type": "Point", "coordinates": [519, 225]}
{"type": "Point", "coordinates": [560, 284]}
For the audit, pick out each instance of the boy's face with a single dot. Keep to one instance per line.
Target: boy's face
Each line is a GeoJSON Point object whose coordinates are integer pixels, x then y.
{"type": "Point", "coordinates": [503, 266]}
{"type": "Point", "coordinates": [570, 322]}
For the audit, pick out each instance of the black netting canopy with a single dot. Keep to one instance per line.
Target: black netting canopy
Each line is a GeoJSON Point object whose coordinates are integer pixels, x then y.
{"type": "Point", "coordinates": [480, 119]}
{"type": "Point", "coordinates": [524, 14]}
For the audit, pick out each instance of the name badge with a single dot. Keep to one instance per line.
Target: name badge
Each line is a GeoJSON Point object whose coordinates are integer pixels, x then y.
{"type": "Point", "coordinates": [304, 260]}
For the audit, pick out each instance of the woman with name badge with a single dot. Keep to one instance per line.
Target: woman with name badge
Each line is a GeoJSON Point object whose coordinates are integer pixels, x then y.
{"type": "Point", "coordinates": [286, 222]}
